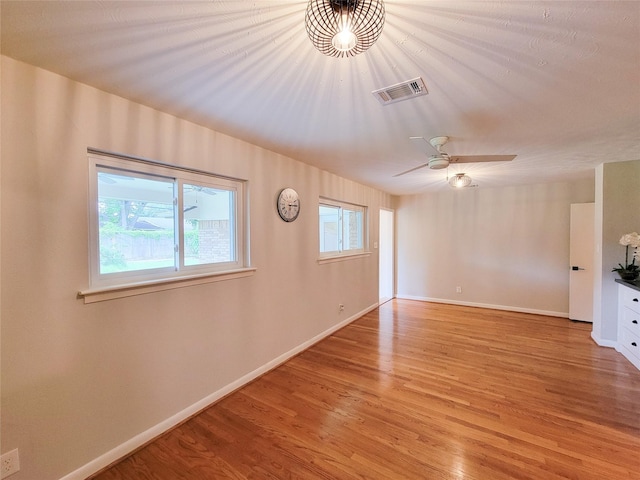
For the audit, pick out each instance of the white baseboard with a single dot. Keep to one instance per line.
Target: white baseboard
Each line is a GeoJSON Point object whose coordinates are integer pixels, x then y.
{"type": "Point", "coordinates": [141, 439]}
{"type": "Point", "coordinates": [602, 342]}
{"type": "Point", "coordinates": [509, 308]}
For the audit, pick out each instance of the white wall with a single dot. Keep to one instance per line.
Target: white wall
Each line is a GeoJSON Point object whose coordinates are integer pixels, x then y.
{"type": "Point", "coordinates": [79, 380]}
{"type": "Point", "coordinates": [617, 213]}
{"type": "Point", "coordinates": [505, 247]}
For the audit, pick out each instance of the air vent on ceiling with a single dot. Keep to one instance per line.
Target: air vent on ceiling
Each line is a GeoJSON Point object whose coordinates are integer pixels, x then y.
{"type": "Point", "coordinates": [401, 91]}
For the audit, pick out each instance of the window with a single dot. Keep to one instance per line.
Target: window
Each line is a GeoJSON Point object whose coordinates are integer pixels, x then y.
{"type": "Point", "coordinates": [152, 222]}
{"type": "Point", "coordinates": [342, 228]}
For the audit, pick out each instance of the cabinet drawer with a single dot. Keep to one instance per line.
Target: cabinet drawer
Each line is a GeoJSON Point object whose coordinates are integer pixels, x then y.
{"type": "Point", "coordinates": [631, 342]}
{"type": "Point", "coordinates": [630, 299]}
{"type": "Point", "coordinates": [630, 320]}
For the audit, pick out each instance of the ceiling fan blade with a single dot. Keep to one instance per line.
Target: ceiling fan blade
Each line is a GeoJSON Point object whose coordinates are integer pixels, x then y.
{"type": "Point", "coordinates": [422, 144]}
{"type": "Point", "coordinates": [480, 158]}
{"type": "Point", "coordinates": [411, 170]}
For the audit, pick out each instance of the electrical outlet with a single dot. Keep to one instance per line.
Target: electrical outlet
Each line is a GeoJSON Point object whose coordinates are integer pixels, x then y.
{"type": "Point", "coordinates": [9, 463]}
{"type": "Point", "coordinates": [341, 308]}
{"type": "Point", "coordinates": [458, 289]}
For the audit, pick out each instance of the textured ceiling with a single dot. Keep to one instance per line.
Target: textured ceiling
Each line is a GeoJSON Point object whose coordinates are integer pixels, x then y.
{"type": "Point", "coordinates": [557, 82]}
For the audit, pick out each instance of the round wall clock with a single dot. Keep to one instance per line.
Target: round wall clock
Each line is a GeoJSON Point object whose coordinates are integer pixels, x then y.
{"type": "Point", "coordinates": [288, 204]}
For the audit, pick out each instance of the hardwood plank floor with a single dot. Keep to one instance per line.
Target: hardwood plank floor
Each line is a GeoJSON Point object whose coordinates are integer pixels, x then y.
{"type": "Point", "coordinates": [417, 390]}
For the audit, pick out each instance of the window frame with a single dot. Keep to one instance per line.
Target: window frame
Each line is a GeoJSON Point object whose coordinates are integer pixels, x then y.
{"type": "Point", "coordinates": [364, 226]}
{"type": "Point", "coordinates": [179, 272]}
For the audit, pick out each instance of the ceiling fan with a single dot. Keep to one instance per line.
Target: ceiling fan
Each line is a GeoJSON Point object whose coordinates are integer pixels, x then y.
{"type": "Point", "coordinates": [442, 159]}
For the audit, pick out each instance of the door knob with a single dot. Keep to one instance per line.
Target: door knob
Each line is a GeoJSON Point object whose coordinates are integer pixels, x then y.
{"type": "Point", "coordinates": [575, 267]}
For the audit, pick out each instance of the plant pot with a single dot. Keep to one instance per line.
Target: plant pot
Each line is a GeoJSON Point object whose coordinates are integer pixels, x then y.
{"type": "Point", "coordinates": [629, 276]}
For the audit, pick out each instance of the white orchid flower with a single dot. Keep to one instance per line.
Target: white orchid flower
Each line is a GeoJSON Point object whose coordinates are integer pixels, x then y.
{"type": "Point", "coordinates": [631, 239]}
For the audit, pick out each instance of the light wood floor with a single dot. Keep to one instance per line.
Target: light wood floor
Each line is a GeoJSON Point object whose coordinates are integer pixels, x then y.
{"type": "Point", "coordinates": [417, 390]}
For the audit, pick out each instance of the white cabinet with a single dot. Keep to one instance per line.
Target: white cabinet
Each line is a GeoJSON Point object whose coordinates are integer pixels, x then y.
{"type": "Point", "coordinates": [629, 323]}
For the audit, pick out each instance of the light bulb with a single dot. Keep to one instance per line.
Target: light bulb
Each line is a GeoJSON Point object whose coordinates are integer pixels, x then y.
{"type": "Point", "coordinates": [344, 41]}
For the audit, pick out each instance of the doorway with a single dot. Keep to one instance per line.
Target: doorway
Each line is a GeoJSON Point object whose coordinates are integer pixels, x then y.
{"type": "Point", "coordinates": [385, 255]}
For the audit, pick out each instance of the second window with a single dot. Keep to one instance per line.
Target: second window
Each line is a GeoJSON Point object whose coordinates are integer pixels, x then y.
{"type": "Point", "coordinates": [342, 228]}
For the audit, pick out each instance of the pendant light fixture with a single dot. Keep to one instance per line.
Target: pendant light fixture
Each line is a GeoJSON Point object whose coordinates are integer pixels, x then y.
{"type": "Point", "coordinates": [344, 28]}
{"type": "Point", "coordinates": [460, 180]}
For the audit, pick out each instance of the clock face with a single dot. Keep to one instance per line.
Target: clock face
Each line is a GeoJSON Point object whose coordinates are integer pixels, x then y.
{"type": "Point", "coordinates": [288, 204]}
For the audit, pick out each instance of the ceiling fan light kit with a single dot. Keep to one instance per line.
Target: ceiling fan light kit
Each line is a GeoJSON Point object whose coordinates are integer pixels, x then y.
{"type": "Point", "coordinates": [460, 180]}
{"type": "Point", "coordinates": [344, 28]}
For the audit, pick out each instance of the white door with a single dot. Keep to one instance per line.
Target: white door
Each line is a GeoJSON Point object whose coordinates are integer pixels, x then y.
{"type": "Point", "coordinates": [581, 255]}
{"type": "Point", "coordinates": [385, 255]}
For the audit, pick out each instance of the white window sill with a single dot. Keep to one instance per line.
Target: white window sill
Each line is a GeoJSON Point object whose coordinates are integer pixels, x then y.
{"type": "Point", "coordinates": [100, 294]}
{"type": "Point", "coordinates": [341, 258]}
